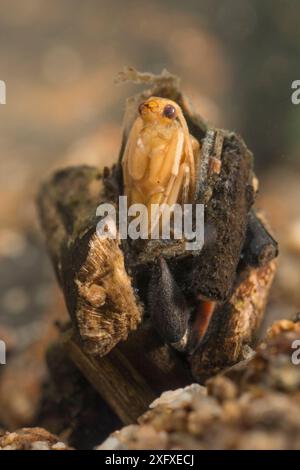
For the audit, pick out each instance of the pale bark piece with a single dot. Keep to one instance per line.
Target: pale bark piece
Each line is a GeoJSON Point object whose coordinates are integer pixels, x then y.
{"type": "Point", "coordinates": [235, 323]}
{"type": "Point", "coordinates": [90, 270]}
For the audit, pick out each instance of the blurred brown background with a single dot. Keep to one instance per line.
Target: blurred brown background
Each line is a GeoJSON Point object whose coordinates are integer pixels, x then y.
{"type": "Point", "coordinates": [237, 60]}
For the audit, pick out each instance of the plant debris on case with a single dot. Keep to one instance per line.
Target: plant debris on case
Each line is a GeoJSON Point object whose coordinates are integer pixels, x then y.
{"type": "Point", "coordinates": [201, 309]}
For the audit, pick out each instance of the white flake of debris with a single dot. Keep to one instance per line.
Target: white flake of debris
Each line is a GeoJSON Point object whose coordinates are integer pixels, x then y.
{"type": "Point", "coordinates": [59, 446]}
{"type": "Point", "coordinates": [179, 397]}
{"type": "Point", "coordinates": [40, 445]}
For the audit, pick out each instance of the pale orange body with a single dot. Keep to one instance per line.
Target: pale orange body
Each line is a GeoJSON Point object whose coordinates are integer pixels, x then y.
{"type": "Point", "coordinates": [159, 159]}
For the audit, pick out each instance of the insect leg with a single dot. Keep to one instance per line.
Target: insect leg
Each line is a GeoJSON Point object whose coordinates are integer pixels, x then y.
{"type": "Point", "coordinates": [187, 146]}
{"type": "Point", "coordinates": [133, 166]}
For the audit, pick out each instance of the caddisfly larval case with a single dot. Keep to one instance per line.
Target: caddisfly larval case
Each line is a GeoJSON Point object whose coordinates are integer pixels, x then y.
{"type": "Point", "coordinates": [113, 288]}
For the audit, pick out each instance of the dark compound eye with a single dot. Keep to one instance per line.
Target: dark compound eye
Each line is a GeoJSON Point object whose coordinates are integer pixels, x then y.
{"type": "Point", "coordinates": [141, 107]}
{"type": "Point", "coordinates": [169, 111]}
